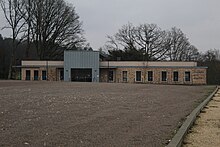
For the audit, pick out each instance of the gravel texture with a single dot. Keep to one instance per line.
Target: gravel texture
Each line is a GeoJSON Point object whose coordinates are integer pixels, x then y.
{"type": "Point", "coordinates": [206, 130]}
{"type": "Point", "coordinates": [93, 114]}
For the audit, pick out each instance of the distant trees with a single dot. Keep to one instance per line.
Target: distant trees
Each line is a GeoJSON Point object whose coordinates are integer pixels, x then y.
{"type": "Point", "coordinates": [178, 47]}
{"type": "Point", "coordinates": [152, 43]}
{"type": "Point", "coordinates": [210, 55]}
{"type": "Point", "coordinates": [211, 59]}
{"type": "Point", "coordinates": [15, 23]}
{"type": "Point", "coordinates": [5, 55]}
{"type": "Point", "coordinates": [49, 26]}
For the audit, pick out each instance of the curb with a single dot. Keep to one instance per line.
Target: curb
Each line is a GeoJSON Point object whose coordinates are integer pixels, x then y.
{"type": "Point", "coordinates": [183, 130]}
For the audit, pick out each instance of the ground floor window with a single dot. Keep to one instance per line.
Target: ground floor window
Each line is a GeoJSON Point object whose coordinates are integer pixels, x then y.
{"type": "Point", "coordinates": [125, 76]}
{"type": "Point", "coordinates": [164, 76]}
{"type": "Point", "coordinates": [35, 74]}
{"type": "Point", "coordinates": [138, 76]}
{"type": "Point", "coordinates": [150, 75]}
{"type": "Point", "coordinates": [175, 76]}
{"type": "Point", "coordinates": [28, 75]}
{"type": "Point", "coordinates": [44, 75]}
{"type": "Point", "coordinates": [110, 75]}
{"type": "Point", "coordinates": [61, 75]}
{"type": "Point", "coordinates": [187, 76]}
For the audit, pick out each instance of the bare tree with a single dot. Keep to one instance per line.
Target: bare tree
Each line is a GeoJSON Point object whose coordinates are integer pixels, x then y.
{"type": "Point", "coordinates": [211, 55]}
{"type": "Point", "coordinates": [146, 38]}
{"type": "Point", "coordinates": [53, 25]}
{"type": "Point", "coordinates": [15, 23]}
{"type": "Point", "coordinates": [150, 38]}
{"type": "Point", "coordinates": [191, 53]}
{"type": "Point", "coordinates": [177, 44]}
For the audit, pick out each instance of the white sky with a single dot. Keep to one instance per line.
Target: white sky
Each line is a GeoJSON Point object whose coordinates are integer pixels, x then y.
{"type": "Point", "coordinates": [198, 19]}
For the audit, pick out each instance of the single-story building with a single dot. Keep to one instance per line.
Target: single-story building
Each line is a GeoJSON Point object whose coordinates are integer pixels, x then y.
{"type": "Point", "coordinates": [85, 66]}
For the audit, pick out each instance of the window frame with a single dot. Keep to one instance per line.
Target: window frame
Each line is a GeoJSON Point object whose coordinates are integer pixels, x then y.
{"type": "Point", "coordinates": [150, 79]}
{"type": "Point", "coordinates": [36, 75]}
{"type": "Point", "coordinates": [136, 76]}
{"type": "Point", "coordinates": [44, 77]}
{"type": "Point", "coordinates": [187, 79]}
{"type": "Point", "coordinates": [162, 79]}
{"type": "Point", "coordinates": [28, 78]}
{"type": "Point", "coordinates": [111, 80]}
{"type": "Point", "coordinates": [124, 79]}
{"type": "Point", "coordinates": [174, 79]}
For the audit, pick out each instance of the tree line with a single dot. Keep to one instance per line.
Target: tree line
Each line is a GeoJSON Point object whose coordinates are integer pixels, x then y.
{"type": "Point", "coordinates": [150, 43]}
{"type": "Point", "coordinates": [48, 26]}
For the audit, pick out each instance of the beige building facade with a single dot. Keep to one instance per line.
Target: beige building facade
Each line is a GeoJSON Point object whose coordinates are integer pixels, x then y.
{"type": "Point", "coordinates": [162, 72]}
{"type": "Point", "coordinates": [153, 72]}
{"type": "Point", "coordinates": [42, 70]}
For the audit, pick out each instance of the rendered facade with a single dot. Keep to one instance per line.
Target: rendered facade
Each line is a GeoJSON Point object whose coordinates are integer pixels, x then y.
{"type": "Point", "coordinates": [84, 66]}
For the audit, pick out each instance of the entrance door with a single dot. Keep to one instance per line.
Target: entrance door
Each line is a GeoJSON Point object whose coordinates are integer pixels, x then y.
{"type": "Point", "coordinates": [111, 76]}
{"type": "Point", "coordinates": [44, 75]}
{"type": "Point", "coordinates": [28, 75]}
{"type": "Point", "coordinates": [81, 75]}
{"type": "Point", "coordinates": [36, 75]}
{"type": "Point", "coordinates": [61, 75]}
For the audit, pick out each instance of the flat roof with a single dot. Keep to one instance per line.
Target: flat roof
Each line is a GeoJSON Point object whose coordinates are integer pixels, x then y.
{"type": "Point", "coordinates": [147, 63]}
{"type": "Point", "coordinates": [118, 64]}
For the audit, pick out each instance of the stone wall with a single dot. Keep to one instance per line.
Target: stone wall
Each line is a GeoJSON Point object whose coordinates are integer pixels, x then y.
{"type": "Point", "coordinates": [53, 73]}
{"type": "Point", "coordinates": [197, 75]}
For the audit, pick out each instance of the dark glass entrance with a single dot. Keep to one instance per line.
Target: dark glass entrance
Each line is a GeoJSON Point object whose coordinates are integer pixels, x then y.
{"type": "Point", "coordinates": [44, 75]}
{"type": "Point", "coordinates": [61, 75]}
{"type": "Point", "coordinates": [81, 75]}
{"type": "Point", "coordinates": [28, 75]}
{"type": "Point", "coordinates": [111, 76]}
{"type": "Point", "coordinates": [35, 74]}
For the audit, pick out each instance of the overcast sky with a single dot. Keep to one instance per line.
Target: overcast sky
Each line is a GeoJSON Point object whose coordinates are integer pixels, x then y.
{"type": "Point", "coordinates": [198, 19]}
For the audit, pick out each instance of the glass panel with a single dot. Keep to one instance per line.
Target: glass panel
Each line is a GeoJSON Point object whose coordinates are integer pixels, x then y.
{"type": "Point", "coordinates": [150, 75]}
{"type": "Point", "coordinates": [81, 75]}
{"type": "Point", "coordinates": [175, 76]}
{"type": "Point", "coordinates": [138, 75]}
{"type": "Point", "coordinates": [44, 75]}
{"type": "Point", "coordinates": [164, 76]}
{"type": "Point", "coordinates": [111, 76]}
{"type": "Point", "coordinates": [36, 75]}
{"type": "Point", "coordinates": [187, 76]}
{"type": "Point", "coordinates": [125, 76]}
{"type": "Point", "coordinates": [28, 75]}
{"type": "Point", "coordinates": [61, 75]}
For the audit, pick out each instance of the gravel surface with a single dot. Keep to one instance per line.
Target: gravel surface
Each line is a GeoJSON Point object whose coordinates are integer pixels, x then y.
{"type": "Point", "coordinates": [93, 114]}
{"type": "Point", "coordinates": [206, 131]}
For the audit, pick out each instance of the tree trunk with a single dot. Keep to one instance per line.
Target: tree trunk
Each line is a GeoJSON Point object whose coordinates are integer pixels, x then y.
{"type": "Point", "coordinates": [11, 60]}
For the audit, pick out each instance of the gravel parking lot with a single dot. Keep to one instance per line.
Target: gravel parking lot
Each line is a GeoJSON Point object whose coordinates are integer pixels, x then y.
{"type": "Point", "coordinates": [93, 114]}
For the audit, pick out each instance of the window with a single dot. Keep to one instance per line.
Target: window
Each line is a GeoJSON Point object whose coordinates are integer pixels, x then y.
{"type": "Point", "coordinates": [44, 75]}
{"type": "Point", "coordinates": [28, 75]}
{"type": "Point", "coordinates": [35, 74]}
{"type": "Point", "coordinates": [125, 76]}
{"type": "Point", "coordinates": [187, 76]}
{"type": "Point", "coordinates": [175, 76]}
{"type": "Point", "coordinates": [164, 76]}
{"type": "Point", "coordinates": [150, 75]}
{"type": "Point", "coordinates": [61, 75]}
{"type": "Point", "coordinates": [111, 76]}
{"type": "Point", "coordinates": [138, 76]}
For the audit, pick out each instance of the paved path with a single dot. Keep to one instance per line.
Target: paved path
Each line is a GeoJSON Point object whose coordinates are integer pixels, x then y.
{"type": "Point", "coordinates": [206, 131]}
